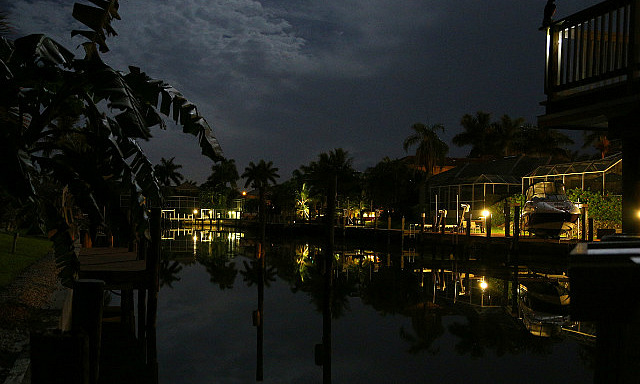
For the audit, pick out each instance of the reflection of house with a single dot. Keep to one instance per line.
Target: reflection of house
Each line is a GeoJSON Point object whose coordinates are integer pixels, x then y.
{"type": "Point", "coordinates": [602, 175]}
{"type": "Point", "coordinates": [480, 184]}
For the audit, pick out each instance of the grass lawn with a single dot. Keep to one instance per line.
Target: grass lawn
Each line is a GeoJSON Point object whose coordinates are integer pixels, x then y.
{"type": "Point", "coordinates": [28, 251]}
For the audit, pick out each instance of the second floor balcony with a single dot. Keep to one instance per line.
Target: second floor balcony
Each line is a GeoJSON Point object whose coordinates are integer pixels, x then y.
{"type": "Point", "coordinates": [592, 69]}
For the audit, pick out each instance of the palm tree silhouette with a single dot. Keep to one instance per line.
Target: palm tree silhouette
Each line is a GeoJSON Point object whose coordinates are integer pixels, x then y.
{"type": "Point", "coordinates": [431, 150]}
{"type": "Point", "coordinates": [509, 135]}
{"type": "Point", "coordinates": [478, 132]}
{"type": "Point", "coordinates": [260, 176]}
{"type": "Point", "coordinates": [223, 173]}
{"type": "Point", "coordinates": [167, 172]}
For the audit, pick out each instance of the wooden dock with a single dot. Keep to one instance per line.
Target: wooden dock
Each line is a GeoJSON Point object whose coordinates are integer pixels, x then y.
{"type": "Point", "coordinates": [126, 348]}
{"type": "Point", "coordinates": [117, 348]}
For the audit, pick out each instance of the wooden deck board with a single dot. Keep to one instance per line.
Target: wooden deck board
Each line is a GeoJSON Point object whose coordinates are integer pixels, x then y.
{"type": "Point", "coordinates": [117, 267]}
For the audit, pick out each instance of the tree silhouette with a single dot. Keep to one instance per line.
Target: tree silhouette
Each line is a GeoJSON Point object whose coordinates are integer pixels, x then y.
{"type": "Point", "coordinates": [223, 173]}
{"type": "Point", "coordinates": [602, 141]}
{"type": "Point", "coordinates": [543, 141]}
{"type": "Point", "coordinates": [260, 176]}
{"type": "Point", "coordinates": [430, 149]}
{"type": "Point", "coordinates": [478, 132]}
{"type": "Point", "coordinates": [392, 184]}
{"type": "Point", "coordinates": [509, 135]}
{"type": "Point", "coordinates": [167, 172]}
{"type": "Point", "coordinates": [43, 86]}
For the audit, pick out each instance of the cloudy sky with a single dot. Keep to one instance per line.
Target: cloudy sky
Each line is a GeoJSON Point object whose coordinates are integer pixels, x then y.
{"type": "Point", "coordinates": [284, 80]}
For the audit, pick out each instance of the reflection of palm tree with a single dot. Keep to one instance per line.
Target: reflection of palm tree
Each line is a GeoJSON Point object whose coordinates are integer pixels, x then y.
{"type": "Point", "coordinates": [251, 273]}
{"type": "Point", "coordinates": [498, 332]}
{"type": "Point", "coordinates": [426, 320]}
{"type": "Point", "coordinates": [313, 284]}
{"type": "Point", "coordinates": [392, 290]}
{"type": "Point", "coordinates": [219, 271]}
{"type": "Point", "coordinates": [470, 342]}
{"type": "Point", "coordinates": [169, 272]}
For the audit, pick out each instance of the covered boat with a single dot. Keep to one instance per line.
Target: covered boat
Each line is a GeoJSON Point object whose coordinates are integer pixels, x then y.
{"type": "Point", "coordinates": [548, 212]}
{"type": "Point", "coordinates": [544, 306]}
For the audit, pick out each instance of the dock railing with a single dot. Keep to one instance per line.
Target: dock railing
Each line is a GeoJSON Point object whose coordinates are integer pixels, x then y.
{"type": "Point", "coordinates": [593, 48]}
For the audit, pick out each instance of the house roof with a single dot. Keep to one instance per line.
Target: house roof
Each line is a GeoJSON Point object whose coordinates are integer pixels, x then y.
{"type": "Point", "coordinates": [577, 167]}
{"type": "Point", "coordinates": [507, 170]}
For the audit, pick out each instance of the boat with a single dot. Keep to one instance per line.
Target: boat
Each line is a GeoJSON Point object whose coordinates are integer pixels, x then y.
{"type": "Point", "coordinates": [548, 212]}
{"type": "Point", "coordinates": [543, 306]}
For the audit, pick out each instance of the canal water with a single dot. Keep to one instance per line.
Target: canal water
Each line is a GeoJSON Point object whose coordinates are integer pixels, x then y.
{"type": "Point", "coordinates": [396, 317]}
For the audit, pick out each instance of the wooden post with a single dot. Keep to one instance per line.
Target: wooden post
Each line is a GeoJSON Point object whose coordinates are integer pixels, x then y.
{"type": "Point", "coordinates": [627, 127]}
{"type": "Point", "coordinates": [583, 222]}
{"type": "Point", "coordinates": [487, 222]}
{"type": "Point", "coordinates": [153, 262]}
{"type": "Point", "coordinates": [516, 221]}
{"type": "Point", "coordinates": [14, 243]}
{"type": "Point", "coordinates": [86, 315]}
{"type": "Point", "coordinates": [552, 68]}
{"type": "Point", "coordinates": [59, 357]}
{"type": "Point", "coordinates": [468, 228]}
{"type": "Point", "coordinates": [507, 218]}
{"type": "Point", "coordinates": [516, 233]}
{"type": "Point", "coordinates": [590, 234]}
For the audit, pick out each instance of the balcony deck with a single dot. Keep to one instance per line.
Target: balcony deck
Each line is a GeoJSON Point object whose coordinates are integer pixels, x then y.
{"type": "Point", "coordinates": [592, 72]}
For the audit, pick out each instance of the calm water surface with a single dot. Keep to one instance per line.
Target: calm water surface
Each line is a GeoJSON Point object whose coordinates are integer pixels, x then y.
{"type": "Point", "coordinates": [387, 327]}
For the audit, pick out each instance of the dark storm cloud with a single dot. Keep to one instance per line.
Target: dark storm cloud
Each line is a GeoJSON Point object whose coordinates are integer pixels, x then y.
{"type": "Point", "coordinates": [286, 80]}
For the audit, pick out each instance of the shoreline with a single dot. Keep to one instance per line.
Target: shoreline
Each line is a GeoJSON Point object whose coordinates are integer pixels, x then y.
{"type": "Point", "coordinates": [28, 303]}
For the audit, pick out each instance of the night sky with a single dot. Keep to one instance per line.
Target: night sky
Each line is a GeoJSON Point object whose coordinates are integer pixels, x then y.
{"type": "Point", "coordinates": [287, 80]}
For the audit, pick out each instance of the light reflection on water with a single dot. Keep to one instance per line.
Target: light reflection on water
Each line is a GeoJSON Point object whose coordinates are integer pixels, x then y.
{"type": "Point", "coordinates": [397, 317]}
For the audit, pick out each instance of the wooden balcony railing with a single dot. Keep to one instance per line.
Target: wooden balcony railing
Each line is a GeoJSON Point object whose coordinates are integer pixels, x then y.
{"type": "Point", "coordinates": [592, 48]}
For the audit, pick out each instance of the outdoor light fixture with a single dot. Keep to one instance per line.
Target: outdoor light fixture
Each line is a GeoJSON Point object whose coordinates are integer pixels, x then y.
{"type": "Point", "coordinates": [638, 214]}
{"type": "Point", "coordinates": [483, 285]}
{"type": "Point", "coordinates": [485, 213]}
{"type": "Point", "coordinates": [244, 193]}
{"type": "Point", "coordinates": [195, 238]}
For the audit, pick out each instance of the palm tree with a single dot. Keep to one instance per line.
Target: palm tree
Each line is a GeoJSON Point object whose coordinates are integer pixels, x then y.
{"type": "Point", "coordinates": [478, 132]}
{"type": "Point", "coordinates": [336, 165]}
{"type": "Point", "coordinates": [223, 173]}
{"type": "Point", "coordinates": [260, 176]}
{"type": "Point", "coordinates": [431, 150]}
{"type": "Point", "coordinates": [391, 183]}
{"type": "Point", "coordinates": [543, 141]}
{"type": "Point", "coordinates": [509, 135]}
{"type": "Point", "coordinates": [167, 172]}
{"type": "Point", "coordinates": [601, 140]}
{"type": "Point", "coordinates": [302, 202]}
